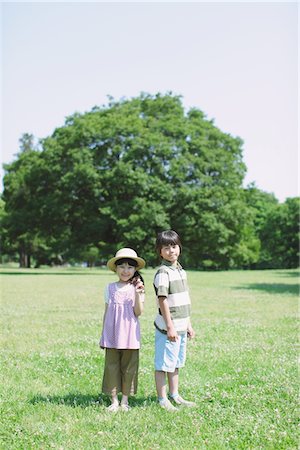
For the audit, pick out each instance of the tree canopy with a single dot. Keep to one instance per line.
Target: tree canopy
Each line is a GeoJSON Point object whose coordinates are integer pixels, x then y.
{"type": "Point", "coordinates": [120, 173]}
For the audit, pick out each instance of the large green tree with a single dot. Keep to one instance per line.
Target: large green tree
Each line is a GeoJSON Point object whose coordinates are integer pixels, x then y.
{"type": "Point", "coordinates": [118, 174]}
{"type": "Point", "coordinates": [20, 220]}
{"type": "Point", "coordinates": [280, 236]}
{"type": "Point", "coordinates": [276, 226]}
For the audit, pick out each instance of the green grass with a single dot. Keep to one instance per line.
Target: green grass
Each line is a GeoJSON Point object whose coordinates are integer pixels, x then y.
{"type": "Point", "coordinates": [241, 368]}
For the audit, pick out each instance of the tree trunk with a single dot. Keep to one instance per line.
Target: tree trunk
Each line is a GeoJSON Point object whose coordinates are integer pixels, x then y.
{"type": "Point", "coordinates": [24, 259]}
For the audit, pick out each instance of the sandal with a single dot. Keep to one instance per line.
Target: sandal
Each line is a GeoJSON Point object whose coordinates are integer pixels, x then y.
{"type": "Point", "coordinates": [125, 407]}
{"type": "Point", "coordinates": [181, 401]}
{"type": "Point", "coordinates": [167, 405]}
{"type": "Point", "coordinates": [113, 407]}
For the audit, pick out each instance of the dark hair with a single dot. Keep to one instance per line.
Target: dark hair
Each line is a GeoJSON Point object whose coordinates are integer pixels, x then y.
{"type": "Point", "coordinates": [168, 237]}
{"type": "Point", "coordinates": [131, 262]}
{"type": "Point", "coordinates": [138, 275]}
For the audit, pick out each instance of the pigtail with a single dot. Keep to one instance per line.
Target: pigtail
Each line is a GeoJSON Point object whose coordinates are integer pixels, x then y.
{"type": "Point", "coordinates": [137, 276]}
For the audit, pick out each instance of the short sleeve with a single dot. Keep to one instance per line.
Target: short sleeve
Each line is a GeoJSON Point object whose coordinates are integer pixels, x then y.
{"type": "Point", "coordinates": [161, 283]}
{"type": "Point", "coordinates": [106, 294]}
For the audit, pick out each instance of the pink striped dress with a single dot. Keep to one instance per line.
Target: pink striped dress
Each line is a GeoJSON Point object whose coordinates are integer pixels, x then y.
{"type": "Point", "coordinates": [121, 329]}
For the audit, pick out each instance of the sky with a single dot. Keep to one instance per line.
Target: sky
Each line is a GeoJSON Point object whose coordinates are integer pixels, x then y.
{"type": "Point", "coordinates": [235, 61]}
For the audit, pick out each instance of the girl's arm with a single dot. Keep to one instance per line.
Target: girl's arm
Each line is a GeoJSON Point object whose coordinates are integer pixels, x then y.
{"type": "Point", "coordinates": [139, 294]}
{"type": "Point", "coordinates": [165, 311]}
{"type": "Point", "coordinates": [139, 303]}
{"type": "Point", "coordinates": [104, 315]}
{"type": "Point", "coordinates": [106, 304]}
{"type": "Point", "coordinates": [103, 321]}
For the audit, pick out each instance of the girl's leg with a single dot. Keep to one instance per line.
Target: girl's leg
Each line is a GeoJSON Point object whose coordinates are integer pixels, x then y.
{"type": "Point", "coordinates": [129, 370]}
{"type": "Point", "coordinates": [114, 406]}
{"type": "Point", "coordinates": [124, 403]}
{"type": "Point", "coordinates": [111, 384]}
{"type": "Point", "coordinates": [114, 399]}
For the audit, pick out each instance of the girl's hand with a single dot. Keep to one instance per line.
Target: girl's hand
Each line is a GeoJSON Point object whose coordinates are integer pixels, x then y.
{"type": "Point", "coordinates": [138, 284]}
{"type": "Point", "coordinates": [139, 290]}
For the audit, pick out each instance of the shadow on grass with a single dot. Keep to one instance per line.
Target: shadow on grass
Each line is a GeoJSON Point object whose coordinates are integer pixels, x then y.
{"type": "Point", "coordinates": [85, 401]}
{"type": "Point", "coordinates": [273, 288]}
{"type": "Point", "coordinates": [294, 274]}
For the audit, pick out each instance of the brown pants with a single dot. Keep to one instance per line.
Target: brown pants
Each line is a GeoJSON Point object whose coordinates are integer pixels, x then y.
{"type": "Point", "coordinates": [120, 371]}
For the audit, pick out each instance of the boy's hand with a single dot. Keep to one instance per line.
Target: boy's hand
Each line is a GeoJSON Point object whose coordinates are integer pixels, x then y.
{"type": "Point", "coordinates": [190, 332]}
{"type": "Point", "coordinates": [172, 333]}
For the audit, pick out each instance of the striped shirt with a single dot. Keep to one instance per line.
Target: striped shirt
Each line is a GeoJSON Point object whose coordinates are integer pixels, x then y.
{"type": "Point", "coordinates": [170, 281]}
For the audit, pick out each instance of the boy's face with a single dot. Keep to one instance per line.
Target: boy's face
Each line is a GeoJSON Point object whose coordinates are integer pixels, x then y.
{"type": "Point", "coordinates": [170, 252]}
{"type": "Point", "coordinates": [125, 271]}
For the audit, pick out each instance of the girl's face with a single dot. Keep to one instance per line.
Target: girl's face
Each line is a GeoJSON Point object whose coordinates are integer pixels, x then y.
{"type": "Point", "coordinates": [170, 252]}
{"type": "Point", "coordinates": [125, 272]}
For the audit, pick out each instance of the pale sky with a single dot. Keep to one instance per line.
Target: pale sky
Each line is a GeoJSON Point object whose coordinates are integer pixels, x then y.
{"type": "Point", "coordinates": [235, 61]}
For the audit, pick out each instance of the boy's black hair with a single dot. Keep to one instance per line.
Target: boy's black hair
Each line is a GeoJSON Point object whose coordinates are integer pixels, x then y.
{"type": "Point", "coordinates": [168, 237]}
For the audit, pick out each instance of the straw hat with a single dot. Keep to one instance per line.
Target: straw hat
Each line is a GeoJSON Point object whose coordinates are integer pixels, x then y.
{"type": "Point", "coordinates": [125, 253]}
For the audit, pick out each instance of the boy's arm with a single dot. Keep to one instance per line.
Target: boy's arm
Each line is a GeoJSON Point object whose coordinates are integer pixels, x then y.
{"type": "Point", "coordinates": [190, 331]}
{"type": "Point", "coordinates": [165, 311]}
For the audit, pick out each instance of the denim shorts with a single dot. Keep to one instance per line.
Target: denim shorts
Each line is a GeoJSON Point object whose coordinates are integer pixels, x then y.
{"type": "Point", "coordinates": [169, 355]}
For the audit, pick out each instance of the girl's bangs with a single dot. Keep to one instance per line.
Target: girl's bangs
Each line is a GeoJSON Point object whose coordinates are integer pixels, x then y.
{"type": "Point", "coordinates": [129, 261]}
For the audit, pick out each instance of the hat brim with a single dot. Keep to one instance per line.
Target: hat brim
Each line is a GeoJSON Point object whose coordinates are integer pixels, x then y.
{"type": "Point", "coordinates": [111, 264]}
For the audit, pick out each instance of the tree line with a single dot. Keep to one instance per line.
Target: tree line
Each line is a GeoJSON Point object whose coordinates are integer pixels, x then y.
{"type": "Point", "coordinates": [117, 175]}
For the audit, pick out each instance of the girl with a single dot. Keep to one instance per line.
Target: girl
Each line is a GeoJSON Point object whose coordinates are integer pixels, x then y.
{"type": "Point", "coordinates": [124, 302]}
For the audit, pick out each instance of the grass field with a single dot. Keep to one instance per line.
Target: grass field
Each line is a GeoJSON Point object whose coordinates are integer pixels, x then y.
{"type": "Point", "coordinates": [241, 368]}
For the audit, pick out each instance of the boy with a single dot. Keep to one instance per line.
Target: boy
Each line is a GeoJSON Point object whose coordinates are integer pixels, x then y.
{"type": "Point", "coordinates": [172, 322]}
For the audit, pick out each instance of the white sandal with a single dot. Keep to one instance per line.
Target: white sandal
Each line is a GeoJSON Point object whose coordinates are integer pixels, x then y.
{"type": "Point", "coordinates": [178, 400]}
{"type": "Point", "coordinates": [125, 407]}
{"type": "Point", "coordinates": [167, 405]}
{"type": "Point", "coordinates": [113, 407]}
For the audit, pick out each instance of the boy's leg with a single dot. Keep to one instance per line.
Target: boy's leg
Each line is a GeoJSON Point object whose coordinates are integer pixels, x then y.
{"type": "Point", "coordinates": [173, 379]}
{"type": "Point", "coordinates": [164, 359]}
{"type": "Point", "coordinates": [160, 381]}
{"type": "Point", "coordinates": [178, 400]}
